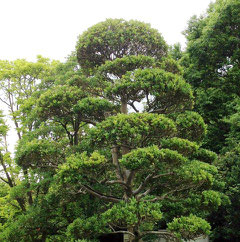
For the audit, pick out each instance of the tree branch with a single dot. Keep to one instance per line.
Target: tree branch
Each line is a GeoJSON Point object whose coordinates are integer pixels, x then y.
{"type": "Point", "coordinates": [161, 175]}
{"type": "Point", "coordinates": [4, 180]}
{"type": "Point", "coordinates": [130, 177]}
{"type": "Point", "coordinates": [133, 106]}
{"type": "Point", "coordinates": [99, 195]}
{"type": "Point", "coordinates": [116, 182]}
{"type": "Point", "coordinates": [123, 232]}
{"type": "Point", "coordinates": [174, 191]}
{"type": "Point", "coordinates": [10, 182]}
{"type": "Point", "coordinates": [142, 185]}
{"type": "Point", "coordinates": [5, 102]}
{"type": "Point", "coordinates": [144, 194]}
{"type": "Point", "coordinates": [162, 234]}
{"type": "Point", "coordinates": [88, 121]}
{"type": "Point", "coordinates": [116, 163]}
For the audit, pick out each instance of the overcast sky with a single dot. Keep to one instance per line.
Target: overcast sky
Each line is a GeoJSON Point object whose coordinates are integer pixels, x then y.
{"type": "Point", "coordinates": [51, 27]}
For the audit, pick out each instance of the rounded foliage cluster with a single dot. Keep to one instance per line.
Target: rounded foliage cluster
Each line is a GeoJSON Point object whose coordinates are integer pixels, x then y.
{"type": "Point", "coordinates": [115, 38]}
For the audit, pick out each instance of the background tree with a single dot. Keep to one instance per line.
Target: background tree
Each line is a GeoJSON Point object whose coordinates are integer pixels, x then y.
{"type": "Point", "coordinates": [11, 201]}
{"type": "Point", "coordinates": [18, 80]}
{"type": "Point", "coordinates": [19, 83]}
{"type": "Point", "coordinates": [59, 113]}
{"type": "Point", "coordinates": [212, 60]}
{"type": "Point", "coordinates": [212, 67]}
{"type": "Point", "coordinates": [225, 221]}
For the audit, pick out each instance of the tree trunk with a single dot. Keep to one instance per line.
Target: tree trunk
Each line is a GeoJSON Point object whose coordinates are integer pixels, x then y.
{"type": "Point", "coordinates": [124, 107]}
{"type": "Point", "coordinates": [75, 138]}
{"type": "Point", "coordinates": [116, 163]}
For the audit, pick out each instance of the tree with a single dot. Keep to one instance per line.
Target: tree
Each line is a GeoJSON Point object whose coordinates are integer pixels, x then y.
{"type": "Point", "coordinates": [109, 145]}
{"type": "Point", "coordinates": [140, 163]}
{"type": "Point", "coordinates": [12, 201]}
{"type": "Point", "coordinates": [19, 83]}
{"type": "Point", "coordinates": [176, 51]}
{"type": "Point", "coordinates": [225, 220]}
{"type": "Point", "coordinates": [58, 113]}
{"type": "Point", "coordinates": [212, 61]}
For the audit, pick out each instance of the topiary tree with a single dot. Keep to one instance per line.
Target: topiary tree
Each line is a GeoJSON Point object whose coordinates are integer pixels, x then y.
{"type": "Point", "coordinates": [148, 157]}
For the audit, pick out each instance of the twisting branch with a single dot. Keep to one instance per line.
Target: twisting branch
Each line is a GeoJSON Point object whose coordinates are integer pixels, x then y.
{"type": "Point", "coordinates": [146, 180]}
{"type": "Point", "coordinates": [70, 136]}
{"type": "Point", "coordinates": [147, 97]}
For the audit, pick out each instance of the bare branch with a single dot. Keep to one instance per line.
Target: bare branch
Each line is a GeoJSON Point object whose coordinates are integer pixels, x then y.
{"type": "Point", "coordinates": [144, 194]}
{"type": "Point", "coordinates": [162, 234]}
{"type": "Point", "coordinates": [99, 195]}
{"type": "Point", "coordinates": [133, 106]}
{"type": "Point", "coordinates": [161, 175]}
{"type": "Point", "coordinates": [116, 182]}
{"type": "Point", "coordinates": [123, 232]}
{"type": "Point", "coordinates": [5, 102]}
{"type": "Point", "coordinates": [142, 185]}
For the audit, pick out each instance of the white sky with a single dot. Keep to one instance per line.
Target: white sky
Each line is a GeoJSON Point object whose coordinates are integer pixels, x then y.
{"type": "Point", "coordinates": [50, 27]}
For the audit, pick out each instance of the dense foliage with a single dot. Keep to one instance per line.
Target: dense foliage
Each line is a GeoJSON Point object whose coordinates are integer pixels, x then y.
{"type": "Point", "coordinates": [114, 140]}
{"type": "Point", "coordinates": [212, 67]}
{"type": "Point", "coordinates": [212, 61]}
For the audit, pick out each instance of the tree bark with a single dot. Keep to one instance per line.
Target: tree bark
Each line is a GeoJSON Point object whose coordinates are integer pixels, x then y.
{"type": "Point", "coordinates": [124, 107]}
